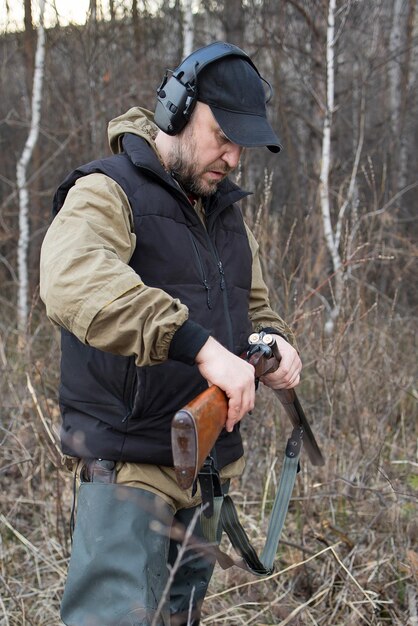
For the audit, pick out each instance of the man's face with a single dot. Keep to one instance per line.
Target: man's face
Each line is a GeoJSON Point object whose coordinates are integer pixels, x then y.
{"type": "Point", "coordinates": [201, 156]}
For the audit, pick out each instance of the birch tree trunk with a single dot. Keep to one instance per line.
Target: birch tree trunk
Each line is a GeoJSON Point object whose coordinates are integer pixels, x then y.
{"type": "Point", "coordinates": [188, 29]}
{"type": "Point", "coordinates": [401, 81]}
{"type": "Point", "coordinates": [28, 44]}
{"type": "Point", "coordinates": [324, 178]}
{"type": "Point", "coordinates": [21, 178]}
{"type": "Point", "coordinates": [395, 69]}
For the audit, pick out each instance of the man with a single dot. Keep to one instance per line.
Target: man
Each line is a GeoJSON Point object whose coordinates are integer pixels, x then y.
{"type": "Point", "coordinates": [156, 282]}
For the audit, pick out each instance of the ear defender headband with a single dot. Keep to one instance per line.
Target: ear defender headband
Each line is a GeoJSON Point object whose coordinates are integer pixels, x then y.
{"type": "Point", "coordinates": [177, 94]}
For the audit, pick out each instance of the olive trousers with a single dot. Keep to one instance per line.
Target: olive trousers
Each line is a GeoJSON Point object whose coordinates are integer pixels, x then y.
{"type": "Point", "coordinates": [130, 564]}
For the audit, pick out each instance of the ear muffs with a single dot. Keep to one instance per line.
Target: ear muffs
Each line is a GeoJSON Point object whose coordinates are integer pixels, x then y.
{"type": "Point", "coordinates": [177, 94]}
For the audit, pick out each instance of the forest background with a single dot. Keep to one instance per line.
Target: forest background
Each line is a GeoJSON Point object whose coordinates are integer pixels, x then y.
{"type": "Point", "coordinates": [335, 214]}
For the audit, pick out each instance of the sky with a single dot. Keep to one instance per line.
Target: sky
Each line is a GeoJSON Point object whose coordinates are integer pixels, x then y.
{"type": "Point", "coordinates": [11, 13]}
{"type": "Point", "coordinates": [66, 11]}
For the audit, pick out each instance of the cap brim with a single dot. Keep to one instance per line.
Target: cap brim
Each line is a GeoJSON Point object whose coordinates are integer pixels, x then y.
{"type": "Point", "coordinates": [250, 131]}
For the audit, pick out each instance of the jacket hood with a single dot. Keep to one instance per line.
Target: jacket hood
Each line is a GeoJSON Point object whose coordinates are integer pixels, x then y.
{"type": "Point", "coordinates": [136, 121]}
{"type": "Point", "coordinates": [123, 133]}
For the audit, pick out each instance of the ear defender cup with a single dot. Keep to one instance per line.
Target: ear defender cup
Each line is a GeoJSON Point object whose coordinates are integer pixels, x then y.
{"type": "Point", "coordinates": [177, 94]}
{"type": "Point", "coordinates": [175, 104]}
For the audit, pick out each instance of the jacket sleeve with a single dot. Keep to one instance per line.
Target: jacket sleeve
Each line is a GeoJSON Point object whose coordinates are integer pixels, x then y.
{"type": "Point", "coordinates": [261, 314]}
{"type": "Point", "coordinates": [89, 288]}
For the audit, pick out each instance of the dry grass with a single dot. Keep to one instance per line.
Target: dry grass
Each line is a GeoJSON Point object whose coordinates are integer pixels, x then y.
{"type": "Point", "coordinates": [349, 554]}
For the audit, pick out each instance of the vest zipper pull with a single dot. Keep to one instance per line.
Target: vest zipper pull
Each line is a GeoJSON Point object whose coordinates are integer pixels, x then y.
{"type": "Point", "coordinates": [207, 287]}
{"type": "Point", "coordinates": [222, 273]}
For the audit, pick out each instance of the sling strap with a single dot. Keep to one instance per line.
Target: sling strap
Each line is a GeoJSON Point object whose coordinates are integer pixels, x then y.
{"type": "Point", "coordinates": [220, 508]}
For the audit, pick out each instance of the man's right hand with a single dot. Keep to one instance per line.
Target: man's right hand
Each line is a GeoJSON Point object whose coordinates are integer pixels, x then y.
{"type": "Point", "coordinates": [230, 373]}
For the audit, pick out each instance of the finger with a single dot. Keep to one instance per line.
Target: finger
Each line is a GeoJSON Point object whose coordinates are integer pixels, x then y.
{"type": "Point", "coordinates": [230, 425]}
{"type": "Point", "coordinates": [234, 416]}
{"type": "Point", "coordinates": [290, 379]}
{"type": "Point", "coordinates": [294, 381]}
{"type": "Point", "coordinates": [285, 381]}
{"type": "Point", "coordinates": [234, 404]}
{"type": "Point", "coordinates": [248, 399]}
{"type": "Point", "coordinates": [239, 405]}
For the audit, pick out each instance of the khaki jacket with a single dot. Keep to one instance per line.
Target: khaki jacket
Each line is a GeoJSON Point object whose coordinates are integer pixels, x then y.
{"type": "Point", "coordinates": [94, 293]}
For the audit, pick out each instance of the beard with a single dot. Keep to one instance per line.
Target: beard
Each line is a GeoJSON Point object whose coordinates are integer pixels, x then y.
{"type": "Point", "coordinates": [183, 163]}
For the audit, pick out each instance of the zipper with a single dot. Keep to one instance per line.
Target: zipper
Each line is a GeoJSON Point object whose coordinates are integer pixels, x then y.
{"type": "Point", "coordinates": [222, 283]}
{"type": "Point", "coordinates": [175, 187]}
{"type": "Point", "coordinates": [129, 388]}
{"type": "Point", "coordinates": [222, 274]}
{"type": "Point", "coordinates": [202, 271]}
{"type": "Point", "coordinates": [223, 290]}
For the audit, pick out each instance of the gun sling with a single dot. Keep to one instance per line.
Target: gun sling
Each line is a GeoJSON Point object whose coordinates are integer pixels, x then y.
{"type": "Point", "coordinates": [218, 508]}
{"type": "Point", "coordinates": [195, 429]}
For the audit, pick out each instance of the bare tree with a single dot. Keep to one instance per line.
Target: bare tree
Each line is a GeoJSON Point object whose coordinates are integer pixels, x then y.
{"type": "Point", "coordinates": [28, 43]}
{"type": "Point", "coordinates": [324, 186]}
{"type": "Point", "coordinates": [21, 176]}
{"type": "Point", "coordinates": [233, 22]}
{"type": "Point", "coordinates": [231, 15]}
{"type": "Point", "coordinates": [136, 22]}
{"type": "Point", "coordinates": [93, 10]}
{"type": "Point", "coordinates": [112, 11]}
{"type": "Point", "coordinates": [401, 79]}
{"type": "Point", "coordinates": [188, 27]}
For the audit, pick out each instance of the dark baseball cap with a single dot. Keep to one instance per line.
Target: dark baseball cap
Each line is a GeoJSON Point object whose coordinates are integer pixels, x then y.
{"type": "Point", "coordinates": [235, 93]}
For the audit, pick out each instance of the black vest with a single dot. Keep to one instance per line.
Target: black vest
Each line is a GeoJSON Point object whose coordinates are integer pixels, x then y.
{"type": "Point", "coordinates": [111, 408]}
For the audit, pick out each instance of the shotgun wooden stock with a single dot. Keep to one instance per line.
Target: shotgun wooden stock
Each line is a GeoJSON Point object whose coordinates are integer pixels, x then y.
{"type": "Point", "coordinates": [194, 430]}
{"type": "Point", "coordinates": [197, 426]}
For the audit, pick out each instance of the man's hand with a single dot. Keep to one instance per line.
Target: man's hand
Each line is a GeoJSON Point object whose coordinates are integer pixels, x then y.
{"type": "Point", "coordinates": [230, 373]}
{"type": "Point", "coordinates": [288, 373]}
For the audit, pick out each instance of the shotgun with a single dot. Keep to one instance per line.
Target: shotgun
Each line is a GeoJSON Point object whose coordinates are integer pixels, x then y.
{"type": "Point", "coordinates": [197, 426]}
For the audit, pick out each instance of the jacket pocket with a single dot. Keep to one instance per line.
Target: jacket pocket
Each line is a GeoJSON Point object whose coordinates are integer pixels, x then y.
{"type": "Point", "coordinates": [137, 393]}
{"type": "Point", "coordinates": [201, 268]}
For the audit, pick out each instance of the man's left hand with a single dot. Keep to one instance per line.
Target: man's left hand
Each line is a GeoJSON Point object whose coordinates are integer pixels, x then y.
{"type": "Point", "coordinates": [288, 373]}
